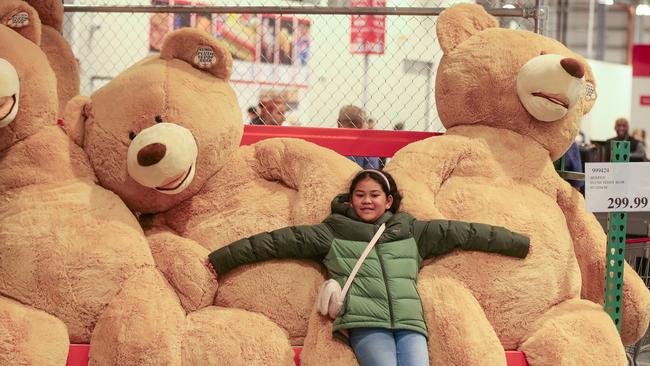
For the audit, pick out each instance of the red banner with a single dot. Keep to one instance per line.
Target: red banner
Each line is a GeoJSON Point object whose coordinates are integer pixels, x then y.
{"type": "Point", "coordinates": [640, 113]}
{"type": "Point", "coordinates": [367, 32]}
{"type": "Point", "coordinates": [645, 100]}
{"type": "Point", "coordinates": [641, 60]}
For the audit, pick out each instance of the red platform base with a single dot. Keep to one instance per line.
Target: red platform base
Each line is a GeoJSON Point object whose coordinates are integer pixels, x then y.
{"type": "Point", "coordinates": [78, 356]}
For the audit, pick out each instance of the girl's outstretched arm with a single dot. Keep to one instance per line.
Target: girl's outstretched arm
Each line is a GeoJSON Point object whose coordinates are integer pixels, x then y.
{"type": "Point", "coordinates": [438, 237]}
{"type": "Point", "coordinates": [306, 241]}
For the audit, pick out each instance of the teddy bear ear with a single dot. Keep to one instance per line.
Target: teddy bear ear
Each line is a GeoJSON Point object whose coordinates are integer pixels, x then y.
{"type": "Point", "coordinates": [199, 49]}
{"type": "Point", "coordinates": [460, 22]}
{"type": "Point", "coordinates": [50, 12]}
{"type": "Point", "coordinates": [77, 112]}
{"type": "Point", "coordinates": [19, 16]}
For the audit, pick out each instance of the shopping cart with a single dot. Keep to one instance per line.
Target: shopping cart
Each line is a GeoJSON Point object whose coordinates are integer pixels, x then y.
{"type": "Point", "coordinates": [637, 255]}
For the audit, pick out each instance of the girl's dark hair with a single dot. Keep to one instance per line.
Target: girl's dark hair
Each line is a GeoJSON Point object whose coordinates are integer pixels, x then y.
{"type": "Point", "coordinates": [377, 177]}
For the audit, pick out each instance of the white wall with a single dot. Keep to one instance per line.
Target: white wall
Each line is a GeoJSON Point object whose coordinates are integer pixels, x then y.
{"type": "Point", "coordinates": [640, 113]}
{"type": "Point", "coordinates": [614, 88]}
{"type": "Point", "coordinates": [106, 44]}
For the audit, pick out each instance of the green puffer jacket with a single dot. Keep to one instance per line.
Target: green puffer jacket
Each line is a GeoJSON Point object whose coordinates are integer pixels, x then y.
{"type": "Point", "coordinates": [384, 292]}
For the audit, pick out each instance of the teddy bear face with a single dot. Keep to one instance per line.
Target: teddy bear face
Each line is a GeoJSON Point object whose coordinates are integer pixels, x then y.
{"type": "Point", "coordinates": [516, 80]}
{"type": "Point", "coordinates": [159, 130]}
{"type": "Point", "coordinates": [27, 82]}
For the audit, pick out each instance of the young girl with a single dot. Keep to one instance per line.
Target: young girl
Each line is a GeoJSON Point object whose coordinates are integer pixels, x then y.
{"type": "Point", "coordinates": [382, 314]}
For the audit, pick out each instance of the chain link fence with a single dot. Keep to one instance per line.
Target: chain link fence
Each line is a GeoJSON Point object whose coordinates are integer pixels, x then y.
{"type": "Point", "coordinates": [303, 60]}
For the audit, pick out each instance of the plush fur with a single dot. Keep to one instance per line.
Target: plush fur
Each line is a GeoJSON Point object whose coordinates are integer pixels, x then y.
{"type": "Point", "coordinates": [58, 51]}
{"type": "Point", "coordinates": [30, 337]}
{"type": "Point", "coordinates": [194, 195]}
{"type": "Point", "coordinates": [494, 165]}
{"type": "Point", "coordinates": [67, 246]}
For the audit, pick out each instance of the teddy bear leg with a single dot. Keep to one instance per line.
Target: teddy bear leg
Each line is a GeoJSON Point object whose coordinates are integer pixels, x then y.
{"type": "Point", "coordinates": [142, 325]}
{"type": "Point", "coordinates": [459, 332]}
{"type": "Point", "coordinates": [321, 348]}
{"type": "Point", "coordinates": [574, 332]}
{"type": "Point", "coordinates": [286, 295]}
{"type": "Point", "coordinates": [31, 337]}
{"type": "Point", "coordinates": [636, 307]}
{"type": "Point", "coordinates": [233, 337]}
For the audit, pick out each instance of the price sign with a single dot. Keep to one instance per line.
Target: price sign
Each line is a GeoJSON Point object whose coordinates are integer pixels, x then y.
{"type": "Point", "coordinates": [368, 32]}
{"type": "Point", "coordinates": [621, 187]}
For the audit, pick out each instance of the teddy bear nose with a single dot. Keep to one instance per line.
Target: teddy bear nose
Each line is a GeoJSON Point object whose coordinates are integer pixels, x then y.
{"type": "Point", "coordinates": [151, 154]}
{"type": "Point", "coordinates": [573, 67]}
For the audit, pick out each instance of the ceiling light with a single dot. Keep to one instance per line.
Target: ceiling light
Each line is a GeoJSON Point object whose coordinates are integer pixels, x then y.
{"type": "Point", "coordinates": [643, 9]}
{"type": "Point", "coordinates": [509, 6]}
{"type": "Point", "coordinates": [606, 2]}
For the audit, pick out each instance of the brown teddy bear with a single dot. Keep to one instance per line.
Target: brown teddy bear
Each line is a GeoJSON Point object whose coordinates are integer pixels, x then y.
{"type": "Point", "coordinates": [58, 51]}
{"type": "Point", "coordinates": [512, 102]}
{"type": "Point", "coordinates": [68, 248]}
{"type": "Point", "coordinates": [30, 332]}
{"type": "Point", "coordinates": [75, 264]}
{"type": "Point", "coordinates": [164, 135]}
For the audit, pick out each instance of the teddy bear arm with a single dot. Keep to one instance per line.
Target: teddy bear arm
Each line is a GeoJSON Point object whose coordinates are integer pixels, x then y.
{"type": "Point", "coordinates": [183, 262]}
{"type": "Point", "coordinates": [421, 168]}
{"type": "Point", "coordinates": [316, 173]}
{"type": "Point", "coordinates": [636, 307]}
{"type": "Point", "coordinates": [296, 162]}
{"type": "Point", "coordinates": [589, 242]}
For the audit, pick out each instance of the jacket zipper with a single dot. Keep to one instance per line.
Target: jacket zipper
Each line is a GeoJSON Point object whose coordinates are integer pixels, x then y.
{"type": "Point", "coordinates": [390, 299]}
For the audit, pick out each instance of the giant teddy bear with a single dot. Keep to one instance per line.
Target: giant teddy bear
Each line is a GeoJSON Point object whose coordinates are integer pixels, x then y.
{"type": "Point", "coordinates": [75, 265]}
{"type": "Point", "coordinates": [56, 265]}
{"type": "Point", "coordinates": [57, 50]}
{"type": "Point", "coordinates": [512, 102]}
{"type": "Point", "coordinates": [164, 135]}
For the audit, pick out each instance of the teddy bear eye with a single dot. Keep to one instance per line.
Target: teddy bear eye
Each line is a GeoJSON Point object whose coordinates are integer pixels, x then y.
{"type": "Point", "coordinates": [158, 119]}
{"type": "Point", "coordinates": [132, 135]}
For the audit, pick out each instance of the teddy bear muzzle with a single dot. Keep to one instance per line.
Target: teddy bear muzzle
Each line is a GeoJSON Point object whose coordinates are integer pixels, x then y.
{"type": "Point", "coordinates": [9, 93]}
{"type": "Point", "coordinates": [163, 157]}
{"type": "Point", "coordinates": [550, 85]}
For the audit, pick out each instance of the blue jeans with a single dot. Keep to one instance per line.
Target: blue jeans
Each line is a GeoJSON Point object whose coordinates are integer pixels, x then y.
{"type": "Point", "coordinates": [386, 347]}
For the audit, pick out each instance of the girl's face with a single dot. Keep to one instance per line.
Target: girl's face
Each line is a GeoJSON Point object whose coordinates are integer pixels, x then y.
{"type": "Point", "coordinates": [369, 201]}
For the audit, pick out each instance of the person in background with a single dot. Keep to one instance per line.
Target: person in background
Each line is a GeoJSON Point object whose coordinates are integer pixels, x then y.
{"type": "Point", "coordinates": [398, 126]}
{"type": "Point", "coordinates": [271, 112]}
{"type": "Point", "coordinates": [371, 124]}
{"type": "Point", "coordinates": [639, 135]}
{"type": "Point", "coordinates": [572, 163]}
{"type": "Point", "coordinates": [622, 127]}
{"type": "Point", "coordinates": [252, 114]}
{"type": "Point", "coordinates": [354, 117]}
